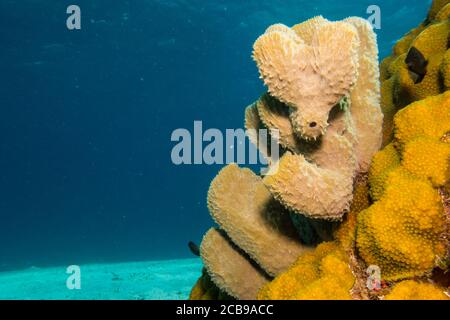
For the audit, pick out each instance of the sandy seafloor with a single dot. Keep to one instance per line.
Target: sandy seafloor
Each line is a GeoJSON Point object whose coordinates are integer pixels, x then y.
{"type": "Point", "coordinates": [153, 280]}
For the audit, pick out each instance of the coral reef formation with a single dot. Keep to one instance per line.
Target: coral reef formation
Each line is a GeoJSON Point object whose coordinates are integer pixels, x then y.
{"type": "Point", "coordinates": [323, 274]}
{"type": "Point", "coordinates": [414, 290]}
{"type": "Point", "coordinates": [336, 218]}
{"type": "Point", "coordinates": [404, 231]}
{"type": "Point", "coordinates": [418, 67]}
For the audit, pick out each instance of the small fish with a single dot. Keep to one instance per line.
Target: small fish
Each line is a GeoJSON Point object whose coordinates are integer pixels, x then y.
{"type": "Point", "coordinates": [194, 248]}
{"type": "Point", "coordinates": [417, 64]}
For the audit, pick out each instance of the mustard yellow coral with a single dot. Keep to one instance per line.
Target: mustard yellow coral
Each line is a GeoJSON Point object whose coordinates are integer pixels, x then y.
{"type": "Point", "coordinates": [418, 67]}
{"type": "Point", "coordinates": [429, 159]}
{"type": "Point", "coordinates": [433, 39]}
{"type": "Point", "coordinates": [323, 274]}
{"type": "Point", "coordinates": [436, 7]}
{"type": "Point", "coordinates": [414, 290]}
{"type": "Point", "coordinates": [403, 232]}
{"type": "Point", "coordinates": [382, 164]}
{"type": "Point", "coordinates": [444, 13]}
{"type": "Point", "coordinates": [346, 233]}
{"type": "Point", "coordinates": [402, 45]}
{"type": "Point", "coordinates": [429, 117]}
{"type": "Point", "coordinates": [445, 70]}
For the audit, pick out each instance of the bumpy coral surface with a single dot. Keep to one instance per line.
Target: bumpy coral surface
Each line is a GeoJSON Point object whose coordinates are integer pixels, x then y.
{"type": "Point", "coordinates": [404, 232]}
{"type": "Point", "coordinates": [428, 117]}
{"type": "Point", "coordinates": [382, 164]}
{"type": "Point", "coordinates": [346, 233]}
{"type": "Point", "coordinates": [320, 275]}
{"type": "Point", "coordinates": [418, 67]}
{"type": "Point", "coordinates": [414, 290]}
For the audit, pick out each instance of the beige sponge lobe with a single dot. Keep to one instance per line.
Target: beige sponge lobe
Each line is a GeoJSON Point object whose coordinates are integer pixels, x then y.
{"type": "Point", "coordinates": [307, 189]}
{"type": "Point", "coordinates": [308, 28]}
{"type": "Point", "coordinates": [365, 97]}
{"type": "Point", "coordinates": [242, 206]}
{"type": "Point", "coordinates": [275, 116]}
{"type": "Point", "coordinates": [310, 79]}
{"type": "Point", "coordinates": [229, 268]}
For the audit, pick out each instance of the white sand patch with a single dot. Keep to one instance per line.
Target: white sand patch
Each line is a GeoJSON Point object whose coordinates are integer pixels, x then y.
{"type": "Point", "coordinates": [170, 279]}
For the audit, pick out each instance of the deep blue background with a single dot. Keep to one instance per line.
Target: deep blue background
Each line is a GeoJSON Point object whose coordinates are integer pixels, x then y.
{"type": "Point", "coordinates": [86, 117]}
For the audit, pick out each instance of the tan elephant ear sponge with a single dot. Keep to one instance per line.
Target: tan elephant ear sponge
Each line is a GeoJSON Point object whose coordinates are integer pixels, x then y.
{"type": "Point", "coordinates": [228, 267]}
{"type": "Point", "coordinates": [275, 116]}
{"type": "Point", "coordinates": [253, 124]}
{"type": "Point", "coordinates": [243, 207]}
{"type": "Point", "coordinates": [336, 47]}
{"type": "Point", "coordinates": [281, 57]}
{"type": "Point", "coordinates": [300, 74]}
{"type": "Point", "coordinates": [310, 190]}
{"type": "Point", "coordinates": [365, 97]}
{"type": "Point", "coordinates": [308, 28]}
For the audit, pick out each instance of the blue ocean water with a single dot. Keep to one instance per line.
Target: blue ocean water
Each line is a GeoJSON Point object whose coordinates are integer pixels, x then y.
{"type": "Point", "coordinates": [86, 117]}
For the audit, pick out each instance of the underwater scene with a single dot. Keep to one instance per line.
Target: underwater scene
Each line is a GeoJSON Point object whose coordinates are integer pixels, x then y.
{"type": "Point", "coordinates": [225, 150]}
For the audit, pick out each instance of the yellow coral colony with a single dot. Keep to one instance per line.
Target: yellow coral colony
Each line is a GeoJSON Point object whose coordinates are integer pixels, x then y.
{"type": "Point", "coordinates": [418, 67]}
{"type": "Point", "coordinates": [404, 232]}
{"type": "Point", "coordinates": [320, 275]}
{"type": "Point", "coordinates": [414, 290]}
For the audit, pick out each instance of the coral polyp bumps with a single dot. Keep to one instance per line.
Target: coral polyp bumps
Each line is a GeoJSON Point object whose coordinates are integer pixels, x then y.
{"type": "Point", "coordinates": [404, 231]}
{"type": "Point", "coordinates": [334, 208]}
